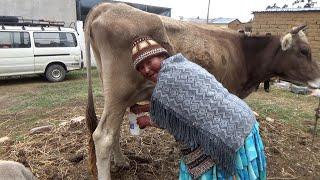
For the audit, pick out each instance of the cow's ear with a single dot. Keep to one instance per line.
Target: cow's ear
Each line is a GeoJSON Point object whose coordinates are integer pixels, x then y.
{"type": "Point", "coordinates": [286, 42]}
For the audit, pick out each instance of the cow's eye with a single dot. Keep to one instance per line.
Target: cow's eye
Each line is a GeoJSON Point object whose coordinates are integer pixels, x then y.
{"type": "Point", "coordinates": [304, 51]}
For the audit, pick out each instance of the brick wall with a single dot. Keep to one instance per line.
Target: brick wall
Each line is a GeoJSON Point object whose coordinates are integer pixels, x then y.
{"type": "Point", "coordinates": [279, 23]}
{"type": "Point", "coordinates": [235, 25]}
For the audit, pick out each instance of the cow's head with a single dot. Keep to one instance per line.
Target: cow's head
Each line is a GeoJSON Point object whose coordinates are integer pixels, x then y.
{"type": "Point", "coordinates": [295, 60]}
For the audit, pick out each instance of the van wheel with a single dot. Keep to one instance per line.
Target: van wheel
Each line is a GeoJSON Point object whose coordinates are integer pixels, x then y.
{"type": "Point", "coordinates": [55, 73]}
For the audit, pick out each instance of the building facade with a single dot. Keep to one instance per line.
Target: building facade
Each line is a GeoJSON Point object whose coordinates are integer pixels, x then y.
{"type": "Point", "coordinates": [231, 23]}
{"type": "Point", "coordinates": [52, 10]}
{"type": "Point", "coordinates": [68, 11]}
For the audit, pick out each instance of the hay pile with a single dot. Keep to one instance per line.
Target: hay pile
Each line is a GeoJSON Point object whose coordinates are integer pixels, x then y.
{"type": "Point", "coordinates": [48, 154]}
{"type": "Point", "coordinates": [62, 153]}
{"type": "Point", "coordinates": [290, 152]}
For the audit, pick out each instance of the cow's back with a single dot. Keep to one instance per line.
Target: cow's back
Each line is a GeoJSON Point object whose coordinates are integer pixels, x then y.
{"type": "Point", "coordinates": [219, 50]}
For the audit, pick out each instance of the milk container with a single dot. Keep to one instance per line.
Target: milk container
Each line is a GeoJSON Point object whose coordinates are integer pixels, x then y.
{"type": "Point", "coordinates": [134, 127]}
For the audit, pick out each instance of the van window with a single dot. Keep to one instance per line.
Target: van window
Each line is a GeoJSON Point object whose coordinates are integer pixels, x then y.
{"type": "Point", "coordinates": [14, 40]}
{"type": "Point", "coordinates": [54, 39]}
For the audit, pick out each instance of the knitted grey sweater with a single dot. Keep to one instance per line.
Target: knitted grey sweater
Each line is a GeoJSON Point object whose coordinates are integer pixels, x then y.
{"type": "Point", "coordinates": [197, 110]}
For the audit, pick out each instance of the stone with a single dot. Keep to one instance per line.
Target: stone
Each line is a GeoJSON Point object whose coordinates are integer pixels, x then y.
{"type": "Point", "coordinates": [269, 119]}
{"type": "Point", "coordinates": [282, 85]}
{"type": "Point", "coordinates": [41, 129]}
{"type": "Point", "coordinates": [315, 92]}
{"type": "Point", "coordinates": [64, 123]}
{"type": "Point", "coordinates": [5, 140]}
{"type": "Point", "coordinates": [14, 170]}
{"type": "Point", "coordinates": [299, 89]}
{"type": "Point", "coordinates": [77, 120]}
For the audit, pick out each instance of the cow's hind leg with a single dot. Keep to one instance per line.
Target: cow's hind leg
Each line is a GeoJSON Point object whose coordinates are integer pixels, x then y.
{"type": "Point", "coordinates": [141, 95]}
{"type": "Point", "coordinates": [104, 137]}
{"type": "Point", "coordinates": [120, 160]}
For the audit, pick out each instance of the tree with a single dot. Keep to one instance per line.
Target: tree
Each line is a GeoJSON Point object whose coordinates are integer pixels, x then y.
{"type": "Point", "coordinates": [285, 6]}
{"type": "Point", "coordinates": [274, 6]}
{"type": "Point", "coordinates": [308, 4]}
{"type": "Point", "coordinates": [297, 3]}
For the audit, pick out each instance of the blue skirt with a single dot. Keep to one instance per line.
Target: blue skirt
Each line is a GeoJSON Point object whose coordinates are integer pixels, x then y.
{"type": "Point", "coordinates": [250, 162]}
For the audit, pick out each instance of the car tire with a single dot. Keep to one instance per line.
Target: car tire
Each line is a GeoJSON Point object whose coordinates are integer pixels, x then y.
{"type": "Point", "coordinates": [55, 73]}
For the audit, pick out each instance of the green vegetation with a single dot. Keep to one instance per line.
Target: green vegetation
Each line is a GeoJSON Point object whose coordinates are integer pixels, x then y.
{"type": "Point", "coordinates": [284, 106]}
{"type": "Point", "coordinates": [50, 95]}
{"type": "Point", "coordinates": [31, 102]}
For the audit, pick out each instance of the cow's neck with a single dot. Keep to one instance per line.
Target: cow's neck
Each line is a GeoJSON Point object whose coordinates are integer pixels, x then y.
{"type": "Point", "coordinates": [260, 52]}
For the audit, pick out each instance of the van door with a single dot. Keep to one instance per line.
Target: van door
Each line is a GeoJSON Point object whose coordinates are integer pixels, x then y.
{"type": "Point", "coordinates": [16, 54]}
{"type": "Point", "coordinates": [56, 47]}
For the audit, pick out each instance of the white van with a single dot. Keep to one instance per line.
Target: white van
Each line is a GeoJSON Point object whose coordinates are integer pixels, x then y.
{"type": "Point", "coordinates": [48, 51]}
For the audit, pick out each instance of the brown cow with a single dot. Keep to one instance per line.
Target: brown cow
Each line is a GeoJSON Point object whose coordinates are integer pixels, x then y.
{"type": "Point", "coordinates": [238, 61]}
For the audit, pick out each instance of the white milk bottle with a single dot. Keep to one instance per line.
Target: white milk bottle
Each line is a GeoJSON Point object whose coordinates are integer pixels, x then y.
{"type": "Point", "coordinates": [134, 127]}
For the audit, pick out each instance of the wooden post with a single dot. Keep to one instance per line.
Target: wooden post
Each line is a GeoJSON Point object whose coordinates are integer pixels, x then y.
{"type": "Point", "coordinates": [316, 122]}
{"type": "Point", "coordinates": [208, 12]}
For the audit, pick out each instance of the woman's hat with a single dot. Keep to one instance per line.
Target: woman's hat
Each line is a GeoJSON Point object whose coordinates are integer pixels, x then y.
{"type": "Point", "coordinates": [145, 47]}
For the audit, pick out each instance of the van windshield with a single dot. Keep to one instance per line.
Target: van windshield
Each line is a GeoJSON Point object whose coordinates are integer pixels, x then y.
{"type": "Point", "coordinates": [54, 39]}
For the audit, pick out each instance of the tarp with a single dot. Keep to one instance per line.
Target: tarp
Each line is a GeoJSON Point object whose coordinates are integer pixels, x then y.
{"type": "Point", "coordinates": [84, 6]}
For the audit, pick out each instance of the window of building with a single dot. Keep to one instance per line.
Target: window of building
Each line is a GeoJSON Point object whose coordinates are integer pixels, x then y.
{"type": "Point", "coordinates": [14, 40]}
{"type": "Point", "coordinates": [54, 39]}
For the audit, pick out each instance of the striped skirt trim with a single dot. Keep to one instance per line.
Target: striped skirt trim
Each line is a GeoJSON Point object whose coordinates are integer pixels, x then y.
{"type": "Point", "coordinates": [250, 162]}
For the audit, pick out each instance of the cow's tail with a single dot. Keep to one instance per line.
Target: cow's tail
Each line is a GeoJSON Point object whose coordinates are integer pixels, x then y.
{"type": "Point", "coordinates": [91, 117]}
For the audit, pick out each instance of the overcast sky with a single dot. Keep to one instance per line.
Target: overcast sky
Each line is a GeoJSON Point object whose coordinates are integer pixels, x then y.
{"type": "Point", "coordinates": [240, 9]}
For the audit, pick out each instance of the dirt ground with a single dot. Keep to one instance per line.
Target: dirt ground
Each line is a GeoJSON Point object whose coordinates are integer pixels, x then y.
{"type": "Point", "coordinates": [62, 153]}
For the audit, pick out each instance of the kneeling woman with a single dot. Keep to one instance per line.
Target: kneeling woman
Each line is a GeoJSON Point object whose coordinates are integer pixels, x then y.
{"type": "Point", "coordinates": [218, 130]}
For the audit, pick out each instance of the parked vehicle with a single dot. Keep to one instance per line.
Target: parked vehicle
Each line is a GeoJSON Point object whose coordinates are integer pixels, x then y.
{"type": "Point", "coordinates": [32, 48]}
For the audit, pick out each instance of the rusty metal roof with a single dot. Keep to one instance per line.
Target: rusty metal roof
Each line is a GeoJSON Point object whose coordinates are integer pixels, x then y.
{"type": "Point", "coordinates": [289, 10]}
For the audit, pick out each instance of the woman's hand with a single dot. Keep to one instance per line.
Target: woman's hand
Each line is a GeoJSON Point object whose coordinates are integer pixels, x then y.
{"type": "Point", "coordinates": [137, 109]}
{"type": "Point", "coordinates": [143, 121]}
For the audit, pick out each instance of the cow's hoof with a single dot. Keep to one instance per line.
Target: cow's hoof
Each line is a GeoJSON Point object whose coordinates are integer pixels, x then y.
{"type": "Point", "coordinates": [122, 163]}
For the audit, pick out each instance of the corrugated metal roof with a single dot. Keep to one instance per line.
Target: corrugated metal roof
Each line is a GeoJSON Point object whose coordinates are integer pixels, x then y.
{"type": "Point", "coordinates": [211, 21]}
{"type": "Point", "coordinates": [222, 20]}
{"type": "Point", "coordinates": [197, 20]}
{"type": "Point", "coordinates": [289, 10]}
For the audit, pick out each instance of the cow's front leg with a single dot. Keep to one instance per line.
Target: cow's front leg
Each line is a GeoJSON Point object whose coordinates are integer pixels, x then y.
{"type": "Point", "coordinates": [104, 137]}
